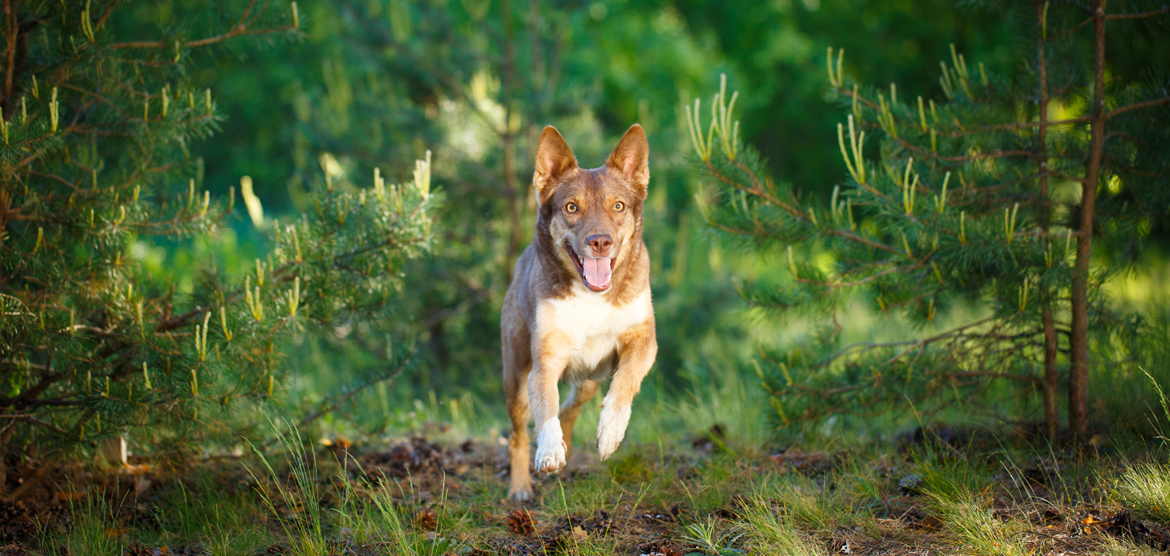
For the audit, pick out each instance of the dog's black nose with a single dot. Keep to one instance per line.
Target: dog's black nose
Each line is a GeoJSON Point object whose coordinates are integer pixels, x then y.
{"type": "Point", "coordinates": [600, 243]}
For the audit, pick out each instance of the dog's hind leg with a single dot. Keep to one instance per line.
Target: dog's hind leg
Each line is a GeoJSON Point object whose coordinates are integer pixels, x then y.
{"type": "Point", "coordinates": [579, 395]}
{"type": "Point", "coordinates": [517, 365]}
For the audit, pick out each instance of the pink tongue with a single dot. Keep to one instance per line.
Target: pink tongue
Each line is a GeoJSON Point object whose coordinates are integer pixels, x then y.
{"type": "Point", "coordinates": [597, 272]}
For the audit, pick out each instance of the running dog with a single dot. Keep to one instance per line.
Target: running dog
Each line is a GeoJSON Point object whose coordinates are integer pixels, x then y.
{"type": "Point", "coordinates": [578, 307]}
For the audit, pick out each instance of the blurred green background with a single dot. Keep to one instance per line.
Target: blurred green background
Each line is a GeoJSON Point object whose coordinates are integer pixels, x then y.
{"type": "Point", "coordinates": [376, 83]}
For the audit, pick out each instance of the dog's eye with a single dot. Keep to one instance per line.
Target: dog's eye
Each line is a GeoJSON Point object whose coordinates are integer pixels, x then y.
{"type": "Point", "coordinates": [619, 206]}
{"type": "Point", "coordinates": [571, 207]}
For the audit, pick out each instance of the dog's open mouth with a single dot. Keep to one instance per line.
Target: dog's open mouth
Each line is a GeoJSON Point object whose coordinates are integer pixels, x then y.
{"type": "Point", "coordinates": [595, 272]}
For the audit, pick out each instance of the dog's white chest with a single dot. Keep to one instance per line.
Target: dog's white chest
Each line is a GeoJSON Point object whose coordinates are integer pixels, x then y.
{"type": "Point", "coordinates": [593, 327]}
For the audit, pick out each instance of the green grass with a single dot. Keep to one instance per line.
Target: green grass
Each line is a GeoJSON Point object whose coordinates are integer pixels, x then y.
{"type": "Point", "coordinates": [975, 528]}
{"type": "Point", "coordinates": [956, 492]}
{"type": "Point", "coordinates": [726, 499]}
{"type": "Point", "coordinates": [711, 503]}
{"type": "Point", "coordinates": [220, 518]}
{"type": "Point", "coordinates": [1119, 547]}
{"type": "Point", "coordinates": [303, 522]}
{"type": "Point", "coordinates": [1145, 488]}
{"type": "Point", "coordinates": [91, 531]}
{"type": "Point", "coordinates": [768, 528]}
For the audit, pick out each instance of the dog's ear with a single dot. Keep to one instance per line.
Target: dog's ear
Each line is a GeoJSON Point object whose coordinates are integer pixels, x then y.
{"type": "Point", "coordinates": [553, 161]}
{"type": "Point", "coordinates": [631, 158]}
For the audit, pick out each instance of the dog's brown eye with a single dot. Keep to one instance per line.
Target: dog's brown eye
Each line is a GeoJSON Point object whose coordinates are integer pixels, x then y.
{"type": "Point", "coordinates": [571, 207]}
{"type": "Point", "coordinates": [619, 206]}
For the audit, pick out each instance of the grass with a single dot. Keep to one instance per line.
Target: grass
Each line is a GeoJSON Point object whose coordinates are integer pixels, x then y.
{"type": "Point", "coordinates": [767, 527]}
{"type": "Point", "coordinates": [709, 502]}
{"type": "Point", "coordinates": [1119, 547]}
{"type": "Point", "coordinates": [661, 493]}
{"type": "Point", "coordinates": [976, 529]}
{"type": "Point", "coordinates": [90, 531]}
{"type": "Point", "coordinates": [303, 522]}
{"type": "Point", "coordinates": [1146, 489]}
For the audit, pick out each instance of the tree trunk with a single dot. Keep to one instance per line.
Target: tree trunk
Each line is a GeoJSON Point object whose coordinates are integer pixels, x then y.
{"type": "Point", "coordinates": [1078, 378]}
{"type": "Point", "coordinates": [5, 436]}
{"type": "Point", "coordinates": [515, 236]}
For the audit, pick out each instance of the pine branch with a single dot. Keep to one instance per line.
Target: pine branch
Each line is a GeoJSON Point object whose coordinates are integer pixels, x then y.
{"type": "Point", "coordinates": [240, 29]}
{"type": "Point", "coordinates": [1140, 15]}
{"type": "Point", "coordinates": [1136, 106]}
{"type": "Point", "coordinates": [329, 406]}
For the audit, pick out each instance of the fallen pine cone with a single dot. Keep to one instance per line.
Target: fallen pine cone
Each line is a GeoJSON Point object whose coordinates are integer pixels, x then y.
{"type": "Point", "coordinates": [661, 547]}
{"type": "Point", "coordinates": [427, 519]}
{"type": "Point", "coordinates": [138, 550]}
{"type": "Point", "coordinates": [520, 522]}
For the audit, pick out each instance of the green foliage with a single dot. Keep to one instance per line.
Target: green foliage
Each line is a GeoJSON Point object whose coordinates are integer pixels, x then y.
{"type": "Point", "coordinates": [477, 82]}
{"type": "Point", "coordinates": [964, 227]}
{"type": "Point", "coordinates": [95, 168]}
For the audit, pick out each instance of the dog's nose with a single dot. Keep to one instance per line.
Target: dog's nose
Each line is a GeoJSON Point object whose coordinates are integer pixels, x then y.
{"type": "Point", "coordinates": [600, 243]}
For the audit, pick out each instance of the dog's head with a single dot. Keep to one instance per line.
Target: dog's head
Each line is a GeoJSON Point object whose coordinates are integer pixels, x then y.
{"type": "Point", "coordinates": [593, 216]}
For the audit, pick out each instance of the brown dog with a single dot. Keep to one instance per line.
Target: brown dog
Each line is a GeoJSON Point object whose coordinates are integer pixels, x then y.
{"type": "Point", "coordinates": [579, 304]}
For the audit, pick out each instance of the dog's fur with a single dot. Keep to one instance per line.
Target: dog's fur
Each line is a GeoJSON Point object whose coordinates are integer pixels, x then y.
{"type": "Point", "coordinates": [556, 324]}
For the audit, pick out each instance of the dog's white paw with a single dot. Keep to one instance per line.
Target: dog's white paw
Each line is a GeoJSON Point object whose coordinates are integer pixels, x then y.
{"type": "Point", "coordinates": [550, 447]}
{"type": "Point", "coordinates": [611, 429]}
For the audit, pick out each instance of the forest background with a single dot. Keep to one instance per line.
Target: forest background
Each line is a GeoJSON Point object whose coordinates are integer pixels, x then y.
{"type": "Point", "coordinates": [162, 158]}
{"type": "Point", "coordinates": [361, 85]}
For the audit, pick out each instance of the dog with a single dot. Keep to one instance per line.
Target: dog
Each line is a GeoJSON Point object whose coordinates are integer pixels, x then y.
{"type": "Point", "coordinates": [578, 307]}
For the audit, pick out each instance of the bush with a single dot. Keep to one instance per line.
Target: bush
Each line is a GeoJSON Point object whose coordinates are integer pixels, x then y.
{"type": "Point", "coordinates": [975, 224]}
{"type": "Point", "coordinates": [95, 165]}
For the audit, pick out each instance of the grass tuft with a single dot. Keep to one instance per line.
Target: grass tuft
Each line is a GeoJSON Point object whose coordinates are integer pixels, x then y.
{"type": "Point", "coordinates": [767, 529]}
{"type": "Point", "coordinates": [976, 529]}
{"type": "Point", "coordinates": [233, 541]}
{"type": "Point", "coordinates": [93, 530]}
{"type": "Point", "coordinates": [305, 529]}
{"type": "Point", "coordinates": [1146, 489]}
{"type": "Point", "coordinates": [1111, 546]}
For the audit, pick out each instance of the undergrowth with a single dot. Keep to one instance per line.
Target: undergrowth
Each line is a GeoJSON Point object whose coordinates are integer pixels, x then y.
{"type": "Point", "coordinates": [679, 493]}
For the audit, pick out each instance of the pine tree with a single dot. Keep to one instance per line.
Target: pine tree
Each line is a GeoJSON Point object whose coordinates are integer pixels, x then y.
{"type": "Point", "coordinates": [97, 130]}
{"type": "Point", "coordinates": [990, 198]}
{"type": "Point", "coordinates": [476, 80]}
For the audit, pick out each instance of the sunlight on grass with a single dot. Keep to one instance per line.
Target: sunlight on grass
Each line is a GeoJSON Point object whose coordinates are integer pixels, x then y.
{"type": "Point", "coordinates": [945, 476]}
{"type": "Point", "coordinates": [953, 487]}
{"type": "Point", "coordinates": [768, 530]}
{"type": "Point", "coordinates": [976, 529]}
{"type": "Point", "coordinates": [808, 508]}
{"type": "Point", "coordinates": [586, 495]}
{"type": "Point", "coordinates": [305, 527]}
{"type": "Point", "coordinates": [1111, 546]}
{"type": "Point", "coordinates": [1146, 489]}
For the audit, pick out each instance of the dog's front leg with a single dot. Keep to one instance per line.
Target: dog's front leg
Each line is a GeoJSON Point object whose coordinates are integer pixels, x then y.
{"type": "Point", "coordinates": [550, 354]}
{"type": "Point", "coordinates": [639, 347]}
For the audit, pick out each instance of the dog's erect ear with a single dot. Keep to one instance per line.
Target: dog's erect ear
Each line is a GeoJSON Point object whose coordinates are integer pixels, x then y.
{"type": "Point", "coordinates": [631, 158]}
{"type": "Point", "coordinates": [553, 161]}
